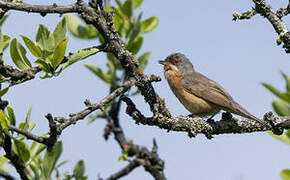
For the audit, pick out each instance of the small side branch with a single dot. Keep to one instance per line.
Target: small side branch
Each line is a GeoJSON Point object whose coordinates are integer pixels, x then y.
{"type": "Point", "coordinates": [275, 19]}
{"type": "Point", "coordinates": [15, 159]}
{"type": "Point", "coordinates": [58, 124]}
{"type": "Point", "coordinates": [14, 75]}
{"type": "Point", "coordinates": [42, 9]}
{"type": "Point", "coordinates": [126, 170]}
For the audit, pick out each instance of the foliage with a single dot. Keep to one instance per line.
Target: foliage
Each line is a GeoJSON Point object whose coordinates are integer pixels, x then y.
{"type": "Point", "coordinates": [49, 49]}
{"type": "Point", "coordinates": [131, 28]}
{"type": "Point", "coordinates": [282, 107]}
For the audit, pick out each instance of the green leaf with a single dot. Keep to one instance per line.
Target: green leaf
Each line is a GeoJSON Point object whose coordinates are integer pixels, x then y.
{"type": "Point", "coordinates": [123, 157]}
{"type": "Point", "coordinates": [18, 55]}
{"type": "Point", "coordinates": [97, 71]}
{"type": "Point", "coordinates": [35, 171]}
{"type": "Point", "coordinates": [79, 170]}
{"type": "Point", "coordinates": [25, 125]}
{"type": "Point", "coordinates": [4, 91]}
{"type": "Point", "coordinates": [75, 27]}
{"type": "Point", "coordinates": [283, 96]}
{"type": "Point", "coordinates": [59, 53]}
{"type": "Point", "coordinates": [128, 8]}
{"type": "Point", "coordinates": [60, 31]}
{"type": "Point", "coordinates": [111, 67]}
{"type": "Point", "coordinates": [78, 30]}
{"type": "Point", "coordinates": [32, 47]}
{"type": "Point", "coordinates": [281, 108]}
{"type": "Point", "coordinates": [111, 57]}
{"type": "Point", "coordinates": [27, 118]}
{"type": "Point", "coordinates": [136, 29]}
{"type": "Point", "coordinates": [285, 174]}
{"type": "Point", "coordinates": [149, 24]}
{"type": "Point", "coordinates": [45, 39]}
{"type": "Point", "coordinates": [50, 159]}
{"type": "Point", "coordinates": [137, 3]}
{"type": "Point", "coordinates": [35, 149]}
{"type": "Point", "coordinates": [3, 160]}
{"type": "Point", "coordinates": [287, 80]}
{"type": "Point", "coordinates": [22, 150]}
{"type": "Point", "coordinates": [134, 46]}
{"type": "Point", "coordinates": [80, 55]}
{"type": "Point", "coordinates": [11, 115]}
{"type": "Point", "coordinates": [4, 42]}
{"type": "Point", "coordinates": [143, 60]}
{"type": "Point", "coordinates": [61, 164]}
{"type": "Point", "coordinates": [3, 119]}
{"type": "Point", "coordinates": [284, 137]}
{"type": "Point", "coordinates": [92, 118]}
{"type": "Point", "coordinates": [44, 65]}
{"type": "Point", "coordinates": [119, 3]}
{"type": "Point", "coordinates": [2, 20]}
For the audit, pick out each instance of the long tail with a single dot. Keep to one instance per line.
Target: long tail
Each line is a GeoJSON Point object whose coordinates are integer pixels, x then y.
{"type": "Point", "coordinates": [239, 110]}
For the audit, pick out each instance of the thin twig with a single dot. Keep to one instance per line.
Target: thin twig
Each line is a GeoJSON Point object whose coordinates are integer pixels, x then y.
{"type": "Point", "coordinates": [126, 170]}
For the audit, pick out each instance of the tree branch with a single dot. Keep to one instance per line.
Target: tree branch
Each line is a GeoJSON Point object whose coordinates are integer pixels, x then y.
{"type": "Point", "coordinates": [126, 170]}
{"type": "Point", "coordinates": [194, 126]}
{"type": "Point", "coordinates": [15, 76]}
{"type": "Point", "coordinates": [92, 107]}
{"type": "Point", "coordinates": [14, 158]}
{"type": "Point", "coordinates": [275, 19]}
{"type": "Point", "coordinates": [104, 23]}
{"type": "Point", "coordinates": [42, 9]}
{"type": "Point", "coordinates": [27, 134]}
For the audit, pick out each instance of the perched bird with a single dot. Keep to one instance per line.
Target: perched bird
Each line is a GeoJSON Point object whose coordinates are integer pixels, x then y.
{"type": "Point", "coordinates": [199, 94]}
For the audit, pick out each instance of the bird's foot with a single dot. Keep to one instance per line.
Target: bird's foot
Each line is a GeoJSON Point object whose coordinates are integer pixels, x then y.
{"type": "Point", "coordinates": [226, 116]}
{"type": "Point", "coordinates": [210, 120]}
{"type": "Point", "coordinates": [193, 116]}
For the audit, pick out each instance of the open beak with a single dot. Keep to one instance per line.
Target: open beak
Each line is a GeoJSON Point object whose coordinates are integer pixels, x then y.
{"type": "Point", "coordinates": [162, 62]}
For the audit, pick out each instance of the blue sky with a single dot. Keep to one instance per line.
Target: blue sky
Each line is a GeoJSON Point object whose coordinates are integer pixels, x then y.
{"type": "Point", "coordinates": [239, 55]}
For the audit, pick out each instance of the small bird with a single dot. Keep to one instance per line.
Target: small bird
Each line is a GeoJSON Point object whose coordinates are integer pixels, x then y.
{"type": "Point", "coordinates": [199, 94]}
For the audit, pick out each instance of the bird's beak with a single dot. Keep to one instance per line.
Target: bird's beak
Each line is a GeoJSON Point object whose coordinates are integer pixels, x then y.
{"type": "Point", "coordinates": [162, 62]}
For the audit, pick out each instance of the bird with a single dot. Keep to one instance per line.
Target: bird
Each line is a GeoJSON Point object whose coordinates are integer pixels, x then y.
{"type": "Point", "coordinates": [199, 95]}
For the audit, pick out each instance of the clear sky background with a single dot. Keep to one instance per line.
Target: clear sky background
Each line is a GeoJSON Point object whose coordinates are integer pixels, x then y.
{"type": "Point", "coordinates": [239, 55]}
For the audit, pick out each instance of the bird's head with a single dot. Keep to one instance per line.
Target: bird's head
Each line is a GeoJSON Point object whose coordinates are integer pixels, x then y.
{"type": "Point", "coordinates": [177, 62]}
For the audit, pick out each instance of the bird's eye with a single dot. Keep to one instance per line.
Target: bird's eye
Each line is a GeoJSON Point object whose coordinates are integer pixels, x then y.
{"type": "Point", "coordinates": [175, 62]}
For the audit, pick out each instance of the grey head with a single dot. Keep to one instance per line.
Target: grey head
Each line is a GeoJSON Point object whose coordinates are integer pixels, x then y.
{"type": "Point", "coordinates": [177, 61]}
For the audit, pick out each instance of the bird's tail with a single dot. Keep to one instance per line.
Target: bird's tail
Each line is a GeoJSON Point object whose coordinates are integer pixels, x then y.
{"type": "Point", "coordinates": [239, 110]}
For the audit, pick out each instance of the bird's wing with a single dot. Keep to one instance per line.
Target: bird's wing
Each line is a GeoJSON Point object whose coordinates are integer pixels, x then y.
{"type": "Point", "coordinates": [207, 89]}
{"type": "Point", "coordinates": [199, 85]}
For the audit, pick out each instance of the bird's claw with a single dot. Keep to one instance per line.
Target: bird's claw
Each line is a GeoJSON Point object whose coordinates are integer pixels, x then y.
{"type": "Point", "coordinates": [226, 116]}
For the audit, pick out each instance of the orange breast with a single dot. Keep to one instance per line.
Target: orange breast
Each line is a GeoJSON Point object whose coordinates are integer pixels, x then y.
{"type": "Point", "coordinates": [197, 106]}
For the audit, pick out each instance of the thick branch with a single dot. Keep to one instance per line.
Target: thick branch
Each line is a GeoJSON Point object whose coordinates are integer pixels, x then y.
{"type": "Point", "coordinates": [43, 9]}
{"type": "Point", "coordinates": [265, 10]}
{"type": "Point", "coordinates": [103, 22]}
{"type": "Point", "coordinates": [14, 75]}
{"type": "Point", "coordinates": [194, 126]}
